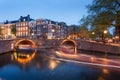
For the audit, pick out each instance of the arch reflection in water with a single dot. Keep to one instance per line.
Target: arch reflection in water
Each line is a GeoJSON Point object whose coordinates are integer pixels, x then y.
{"type": "Point", "coordinates": [24, 57]}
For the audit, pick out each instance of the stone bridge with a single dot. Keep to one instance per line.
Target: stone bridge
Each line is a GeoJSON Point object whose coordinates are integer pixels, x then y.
{"type": "Point", "coordinates": [38, 43]}
{"type": "Point", "coordinates": [8, 45]}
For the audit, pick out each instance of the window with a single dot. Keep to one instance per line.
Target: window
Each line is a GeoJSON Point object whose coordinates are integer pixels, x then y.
{"type": "Point", "coordinates": [23, 24]}
{"type": "Point", "coordinates": [26, 28]}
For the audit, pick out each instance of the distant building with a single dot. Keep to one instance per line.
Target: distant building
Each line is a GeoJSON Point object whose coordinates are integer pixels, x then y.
{"type": "Point", "coordinates": [32, 29]}
{"type": "Point", "coordinates": [6, 29]}
{"type": "Point", "coordinates": [23, 26]}
{"type": "Point", "coordinates": [63, 30]}
{"type": "Point", "coordinates": [2, 31]}
{"type": "Point", "coordinates": [50, 29]}
{"type": "Point", "coordinates": [40, 28]}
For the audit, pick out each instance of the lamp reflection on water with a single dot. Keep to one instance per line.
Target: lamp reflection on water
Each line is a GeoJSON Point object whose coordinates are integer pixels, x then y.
{"type": "Point", "coordinates": [24, 57]}
{"type": "Point", "coordinates": [53, 64]}
{"type": "Point", "coordinates": [105, 71]}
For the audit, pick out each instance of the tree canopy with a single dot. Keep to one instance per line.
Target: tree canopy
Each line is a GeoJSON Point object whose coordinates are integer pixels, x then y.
{"type": "Point", "coordinates": [103, 14]}
{"type": "Point", "coordinates": [13, 30]}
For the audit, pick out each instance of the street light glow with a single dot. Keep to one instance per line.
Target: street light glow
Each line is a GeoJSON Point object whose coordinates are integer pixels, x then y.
{"type": "Point", "coordinates": [105, 31]}
{"type": "Point", "coordinates": [53, 30]}
{"type": "Point", "coordinates": [93, 33]}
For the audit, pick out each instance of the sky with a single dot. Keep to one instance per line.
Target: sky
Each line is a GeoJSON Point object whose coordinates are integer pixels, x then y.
{"type": "Point", "coordinates": [68, 11]}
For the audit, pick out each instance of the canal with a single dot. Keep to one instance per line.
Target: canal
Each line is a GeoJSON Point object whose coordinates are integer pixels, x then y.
{"type": "Point", "coordinates": [45, 65]}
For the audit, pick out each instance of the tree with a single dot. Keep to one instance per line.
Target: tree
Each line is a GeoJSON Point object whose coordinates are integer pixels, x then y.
{"type": "Point", "coordinates": [102, 15]}
{"type": "Point", "coordinates": [83, 31]}
{"type": "Point", "coordinates": [14, 30]}
{"type": "Point", "coordinates": [73, 30]}
{"type": "Point", "coordinates": [31, 31]}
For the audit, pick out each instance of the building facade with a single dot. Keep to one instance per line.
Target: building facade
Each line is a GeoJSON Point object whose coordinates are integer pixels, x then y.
{"type": "Point", "coordinates": [22, 26]}
{"type": "Point", "coordinates": [27, 27]}
{"type": "Point", "coordinates": [6, 29]}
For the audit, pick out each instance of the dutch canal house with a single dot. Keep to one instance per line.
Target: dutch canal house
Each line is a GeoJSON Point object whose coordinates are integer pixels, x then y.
{"type": "Point", "coordinates": [21, 25]}
{"type": "Point", "coordinates": [27, 27]}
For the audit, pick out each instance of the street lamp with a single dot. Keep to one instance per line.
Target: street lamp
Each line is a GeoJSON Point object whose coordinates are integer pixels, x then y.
{"type": "Point", "coordinates": [32, 35]}
{"type": "Point", "coordinates": [53, 33]}
{"type": "Point", "coordinates": [105, 32]}
{"type": "Point", "coordinates": [116, 38]}
{"type": "Point", "coordinates": [93, 33]}
{"type": "Point", "coordinates": [53, 30]}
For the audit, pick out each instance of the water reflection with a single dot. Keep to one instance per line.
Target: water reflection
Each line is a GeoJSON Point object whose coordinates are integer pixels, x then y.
{"type": "Point", "coordinates": [104, 75]}
{"type": "Point", "coordinates": [105, 71]}
{"type": "Point", "coordinates": [53, 64]}
{"type": "Point", "coordinates": [41, 67]}
{"type": "Point", "coordinates": [24, 57]}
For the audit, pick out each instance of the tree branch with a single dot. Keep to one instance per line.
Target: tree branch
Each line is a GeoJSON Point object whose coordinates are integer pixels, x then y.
{"type": "Point", "coordinates": [118, 3]}
{"type": "Point", "coordinates": [113, 24]}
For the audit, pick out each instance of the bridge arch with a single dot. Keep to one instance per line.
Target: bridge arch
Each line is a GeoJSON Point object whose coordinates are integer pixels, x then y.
{"type": "Point", "coordinates": [70, 42]}
{"type": "Point", "coordinates": [24, 42]}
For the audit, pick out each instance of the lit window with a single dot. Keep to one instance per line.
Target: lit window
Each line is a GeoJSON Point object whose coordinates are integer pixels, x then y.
{"type": "Point", "coordinates": [23, 28]}
{"type": "Point", "coordinates": [24, 24]}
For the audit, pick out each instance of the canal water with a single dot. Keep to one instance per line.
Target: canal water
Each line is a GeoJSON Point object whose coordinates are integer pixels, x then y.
{"type": "Point", "coordinates": [38, 66]}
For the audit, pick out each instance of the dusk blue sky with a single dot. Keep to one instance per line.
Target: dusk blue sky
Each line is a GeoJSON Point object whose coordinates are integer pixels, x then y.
{"type": "Point", "coordinates": [69, 11]}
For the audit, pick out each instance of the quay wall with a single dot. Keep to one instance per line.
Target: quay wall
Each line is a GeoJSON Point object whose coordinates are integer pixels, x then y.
{"type": "Point", "coordinates": [100, 47]}
{"type": "Point", "coordinates": [5, 46]}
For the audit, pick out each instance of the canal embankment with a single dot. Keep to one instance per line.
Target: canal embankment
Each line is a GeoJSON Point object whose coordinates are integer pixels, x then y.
{"type": "Point", "coordinates": [99, 47]}
{"type": "Point", "coordinates": [5, 46]}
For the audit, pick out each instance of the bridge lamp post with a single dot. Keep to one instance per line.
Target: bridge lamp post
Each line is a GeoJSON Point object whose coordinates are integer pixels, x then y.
{"type": "Point", "coordinates": [93, 34]}
{"type": "Point", "coordinates": [32, 35]}
{"type": "Point", "coordinates": [53, 33]}
{"type": "Point", "coordinates": [116, 38]}
{"type": "Point", "coordinates": [104, 33]}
